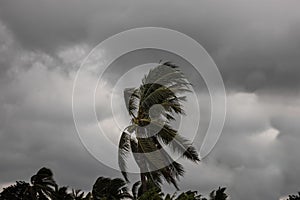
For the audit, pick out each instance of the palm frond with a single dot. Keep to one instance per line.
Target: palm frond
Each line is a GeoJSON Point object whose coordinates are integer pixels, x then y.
{"type": "Point", "coordinates": [135, 188]}
{"type": "Point", "coordinates": [160, 163]}
{"type": "Point", "coordinates": [124, 149]}
{"type": "Point", "coordinates": [153, 157]}
{"type": "Point", "coordinates": [158, 96]}
{"type": "Point", "coordinates": [174, 105]}
{"type": "Point", "coordinates": [106, 188]}
{"type": "Point", "coordinates": [178, 143]}
{"type": "Point", "coordinates": [131, 97]}
{"type": "Point", "coordinates": [183, 146]}
{"type": "Point", "coordinates": [164, 74]}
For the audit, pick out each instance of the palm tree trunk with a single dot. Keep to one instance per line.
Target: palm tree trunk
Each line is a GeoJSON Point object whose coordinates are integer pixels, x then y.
{"type": "Point", "coordinates": [144, 182]}
{"type": "Point", "coordinates": [142, 163]}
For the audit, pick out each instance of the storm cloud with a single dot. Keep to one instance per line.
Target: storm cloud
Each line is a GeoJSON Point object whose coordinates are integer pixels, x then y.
{"type": "Point", "coordinates": [255, 45]}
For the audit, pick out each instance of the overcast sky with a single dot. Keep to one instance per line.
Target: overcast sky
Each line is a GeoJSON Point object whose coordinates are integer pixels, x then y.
{"type": "Point", "coordinates": [255, 44]}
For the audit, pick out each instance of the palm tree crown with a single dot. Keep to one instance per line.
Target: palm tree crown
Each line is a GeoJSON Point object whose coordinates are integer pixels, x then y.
{"type": "Point", "coordinates": [112, 189]}
{"type": "Point", "coordinates": [152, 107]}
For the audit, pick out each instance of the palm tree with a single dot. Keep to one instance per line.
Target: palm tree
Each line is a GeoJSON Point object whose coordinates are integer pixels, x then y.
{"type": "Point", "coordinates": [42, 187]}
{"type": "Point", "coordinates": [219, 194]}
{"type": "Point", "coordinates": [110, 189]}
{"type": "Point", "coordinates": [18, 191]}
{"type": "Point", "coordinates": [151, 128]}
{"type": "Point", "coordinates": [43, 184]}
{"type": "Point", "coordinates": [294, 197]}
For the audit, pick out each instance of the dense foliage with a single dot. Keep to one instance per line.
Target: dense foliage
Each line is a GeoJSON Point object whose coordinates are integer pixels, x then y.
{"type": "Point", "coordinates": [43, 187]}
{"type": "Point", "coordinates": [294, 197]}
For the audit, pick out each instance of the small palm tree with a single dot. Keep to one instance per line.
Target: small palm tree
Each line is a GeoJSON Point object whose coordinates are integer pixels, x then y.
{"type": "Point", "coordinates": [42, 187]}
{"type": "Point", "coordinates": [43, 184]}
{"type": "Point", "coordinates": [150, 126]}
{"type": "Point", "coordinates": [110, 189]}
{"type": "Point", "coordinates": [219, 194]}
{"type": "Point", "coordinates": [294, 197]}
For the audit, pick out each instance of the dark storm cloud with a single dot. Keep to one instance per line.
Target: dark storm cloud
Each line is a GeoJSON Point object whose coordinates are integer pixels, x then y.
{"type": "Point", "coordinates": [7, 50]}
{"type": "Point", "coordinates": [255, 44]}
{"type": "Point", "coordinates": [44, 25]}
{"type": "Point", "coordinates": [262, 60]}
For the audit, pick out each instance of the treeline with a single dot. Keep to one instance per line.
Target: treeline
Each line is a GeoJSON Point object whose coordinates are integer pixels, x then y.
{"type": "Point", "coordinates": [42, 186]}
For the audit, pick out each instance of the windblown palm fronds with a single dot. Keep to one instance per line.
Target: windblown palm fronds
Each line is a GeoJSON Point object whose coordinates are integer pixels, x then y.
{"type": "Point", "coordinates": [152, 107]}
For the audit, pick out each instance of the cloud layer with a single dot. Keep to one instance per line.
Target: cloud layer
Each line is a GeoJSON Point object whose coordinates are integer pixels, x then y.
{"type": "Point", "coordinates": [255, 45]}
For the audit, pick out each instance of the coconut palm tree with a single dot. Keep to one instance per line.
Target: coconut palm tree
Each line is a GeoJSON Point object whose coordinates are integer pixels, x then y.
{"type": "Point", "coordinates": [294, 197]}
{"type": "Point", "coordinates": [152, 107]}
{"type": "Point", "coordinates": [110, 189]}
{"type": "Point", "coordinates": [43, 184]}
{"type": "Point", "coordinates": [219, 194]}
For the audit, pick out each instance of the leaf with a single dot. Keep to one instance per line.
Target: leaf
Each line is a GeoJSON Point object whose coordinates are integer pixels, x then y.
{"type": "Point", "coordinates": [131, 97]}
{"type": "Point", "coordinates": [135, 188]}
{"type": "Point", "coordinates": [124, 149]}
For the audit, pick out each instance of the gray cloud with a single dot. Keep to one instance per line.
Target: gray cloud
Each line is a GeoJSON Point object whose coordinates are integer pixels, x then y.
{"type": "Point", "coordinates": [37, 128]}
{"type": "Point", "coordinates": [255, 45]}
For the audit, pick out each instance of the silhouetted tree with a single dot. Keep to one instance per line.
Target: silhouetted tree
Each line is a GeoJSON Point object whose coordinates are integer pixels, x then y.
{"type": "Point", "coordinates": [43, 187]}
{"type": "Point", "coordinates": [161, 86]}
{"type": "Point", "coordinates": [79, 195]}
{"type": "Point", "coordinates": [294, 197]}
{"type": "Point", "coordinates": [153, 193]}
{"type": "Point", "coordinates": [62, 193]}
{"type": "Point", "coordinates": [218, 194]}
{"type": "Point", "coordinates": [110, 189]}
{"type": "Point", "coordinates": [189, 195]}
{"type": "Point", "coordinates": [19, 191]}
{"type": "Point", "coordinates": [43, 184]}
